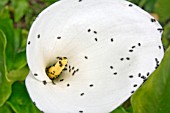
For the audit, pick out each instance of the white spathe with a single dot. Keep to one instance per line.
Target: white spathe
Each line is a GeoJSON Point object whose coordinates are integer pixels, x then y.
{"type": "Point", "coordinates": [113, 46]}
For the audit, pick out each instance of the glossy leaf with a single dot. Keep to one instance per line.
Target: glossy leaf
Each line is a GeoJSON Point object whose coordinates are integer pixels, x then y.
{"type": "Point", "coordinates": [119, 110]}
{"type": "Point", "coordinates": [20, 8]}
{"type": "Point", "coordinates": [166, 36]}
{"type": "Point", "coordinates": [163, 8]}
{"type": "Point", "coordinates": [6, 25]}
{"type": "Point", "coordinates": [6, 109]}
{"type": "Point", "coordinates": [153, 96]}
{"type": "Point", "coordinates": [3, 2]}
{"type": "Point", "coordinates": [4, 13]}
{"type": "Point", "coordinates": [18, 75]}
{"type": "Point", "coordinates": [24, 39]}
{"type": "Point", "coordinates": [20, 101]}
{"type": "Point", "coordinates": [135, 1]}
{"type": "Point", "coordinates": [17, 39]}
{"type": "Point", "coordinates": [20, 57]}
{"type": "Point", "coordinates": [50, 1]}
{"type": "Point", "coordinates": [167, 31]}
{"type": "Point", "coordinates": [148, 5]}
{"type": "Point", "coordinates": [129, 109]}
{"type": "Point", "coordinates": [20, 60]}
{"type": "Point", "coordinates": [5, 86]}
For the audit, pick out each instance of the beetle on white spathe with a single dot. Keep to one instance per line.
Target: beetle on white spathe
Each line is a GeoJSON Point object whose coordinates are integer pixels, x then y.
{"type": "Point", "coordinates": [110, 48]}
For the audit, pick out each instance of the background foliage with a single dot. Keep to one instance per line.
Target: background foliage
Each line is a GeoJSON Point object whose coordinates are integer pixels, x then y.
{"type": "Point", "coordinates": [16, 17]}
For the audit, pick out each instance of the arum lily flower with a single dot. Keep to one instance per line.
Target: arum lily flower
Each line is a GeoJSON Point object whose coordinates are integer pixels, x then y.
{"type": "Point", "coordinates": [89, 56]}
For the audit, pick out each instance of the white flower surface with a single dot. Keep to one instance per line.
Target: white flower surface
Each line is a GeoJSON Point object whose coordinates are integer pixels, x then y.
{"type": "Point", "coordinates": [112, 46]}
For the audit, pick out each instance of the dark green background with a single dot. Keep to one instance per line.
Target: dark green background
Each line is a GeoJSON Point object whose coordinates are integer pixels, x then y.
{"type": "Point", "coordinates": [16, 17]}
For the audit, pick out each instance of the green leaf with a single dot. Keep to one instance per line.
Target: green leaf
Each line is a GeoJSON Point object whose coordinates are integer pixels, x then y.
{"type": "Point", "coordinates": [166, 33]}
{"type": "Point", "coordinates": [153, 96]}
{"type": "Point", "coordinates": [135, 1]}
{"type": "Point", "coordinates": [20, 57]}
{"type": "Point", "coordinates": [20, 60]}
{"type": "Point", "coordinates": [5, 86]}
{"type": "Point", "coordinates": [17, 39]}
{"type": "Point", "coordinates": [166, 36]}
{"type": "Point", "coordinates": [6, 25]}
{"type": "Point", "coordinates": [165, 42]}
{"type": "Point", "coordinates": [50, 1]}
{"type": "Point", "coordinates": [20, 8]}
{"type": "Point", "coordinates": [2, 52]}
{"type": "Point", "coordinates": [148, 5]}
{"type": "Point", "coordinates": [127, 106]}
{"type": "Point", "coordinates": [18, 75]}
{"type": "Point", "coordinates": [15, 51]}
{"type": "Point", "coordinates": [24, 39]}
{"type": "Point", "coordinates": [119, 110]}
{"type": "Point", "coordinates": [3, 2]}
{"type": "Point", "coordinates": [20, 101]}
{"type": "Point", "coordinates": [4, 13]}
{"type": "Point", "coordinates": [6, 109]}
{"type": "Point", "coordinates": [163, 8]}
{"type": "Point", "coordinates": [129, 109]}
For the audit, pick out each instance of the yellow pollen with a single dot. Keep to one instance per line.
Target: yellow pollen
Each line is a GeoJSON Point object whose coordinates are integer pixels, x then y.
{"type": "Point", "coordinates": [54, 71]}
